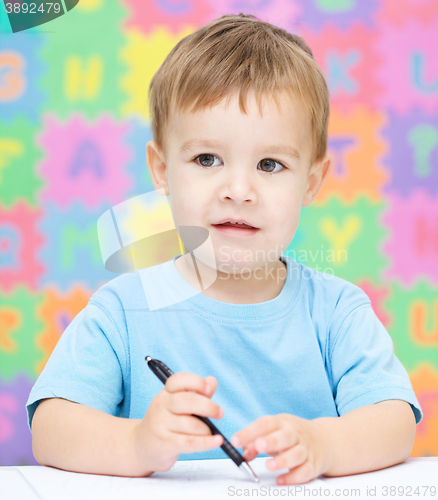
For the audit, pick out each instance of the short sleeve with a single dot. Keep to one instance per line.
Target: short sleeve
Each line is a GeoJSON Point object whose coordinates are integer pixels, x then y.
{"type": "Point", "coordinates": [364, 367]}
{"type": "Point", "coordinates": [86, 365]}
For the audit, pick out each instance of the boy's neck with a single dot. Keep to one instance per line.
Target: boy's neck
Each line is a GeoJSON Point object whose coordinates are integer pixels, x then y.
{"type": "Point", "coordinates": [236, 289]}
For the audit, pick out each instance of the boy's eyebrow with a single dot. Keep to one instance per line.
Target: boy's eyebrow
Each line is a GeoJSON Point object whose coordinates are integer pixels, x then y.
{"type": "Point", "coordinates": [191, 144]}
{"type": "Point", "coordinates": [199, 143]}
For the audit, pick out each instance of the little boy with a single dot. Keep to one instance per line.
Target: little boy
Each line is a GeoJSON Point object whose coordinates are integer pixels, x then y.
{"type": "Point", "coordinates": [300, 367]}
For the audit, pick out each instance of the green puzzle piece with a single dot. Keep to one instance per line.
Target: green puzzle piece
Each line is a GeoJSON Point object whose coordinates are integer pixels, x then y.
{"type": "Point", "coordinates": [18, 159]}
{"type": "Point", "coordinates": [414, 323]}
{"type": "Point", "coordinates": [341, 239]}
{"type": "Point", "coordinates": [84, 72]}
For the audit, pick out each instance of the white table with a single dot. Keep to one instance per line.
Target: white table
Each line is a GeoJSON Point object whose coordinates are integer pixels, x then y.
{"type": "Point", "coordinates": [214, 479]}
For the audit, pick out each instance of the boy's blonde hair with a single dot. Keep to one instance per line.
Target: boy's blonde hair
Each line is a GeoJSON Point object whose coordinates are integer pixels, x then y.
{"type": "Point", "coordinates": [236, 54]}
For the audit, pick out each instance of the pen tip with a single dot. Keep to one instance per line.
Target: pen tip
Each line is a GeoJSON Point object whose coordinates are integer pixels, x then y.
{"type": "Point", "coordinates": [148, 358]}
{"type": "Point", "coordinates": [247, 469]}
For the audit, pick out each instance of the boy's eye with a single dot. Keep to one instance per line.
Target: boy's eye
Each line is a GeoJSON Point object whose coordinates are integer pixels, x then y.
{"type": "Point", "coordinates": [207, 160]}
{"type": "Point", "coordinates": [269, 164]}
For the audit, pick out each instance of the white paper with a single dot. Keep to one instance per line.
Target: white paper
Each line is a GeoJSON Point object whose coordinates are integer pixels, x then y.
{"type": "Point", "coordinates": [214, 479]}
{"type": "Point", "coordinates": [15, 486]}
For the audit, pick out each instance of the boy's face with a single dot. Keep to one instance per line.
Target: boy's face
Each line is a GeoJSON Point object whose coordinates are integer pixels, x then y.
{"type": "Point", "coordinates": [226, 173]}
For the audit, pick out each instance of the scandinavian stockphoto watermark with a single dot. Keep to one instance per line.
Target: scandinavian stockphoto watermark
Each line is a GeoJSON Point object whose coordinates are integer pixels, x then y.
{"type": "Point", "coordinates": [304, 256]}
{"type": "Point", "coordinates": [139, 234]}
{"type": "Point", "coordinates": [231, 260]}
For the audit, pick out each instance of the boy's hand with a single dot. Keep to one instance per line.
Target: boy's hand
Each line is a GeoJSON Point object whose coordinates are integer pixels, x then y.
{"type": "Point", "coordinates": [168, 427]}
{"type": "Point", "coordinates": [296, 443]}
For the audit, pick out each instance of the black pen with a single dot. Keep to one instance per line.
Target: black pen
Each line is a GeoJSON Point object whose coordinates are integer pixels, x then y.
{"type": "Point", "coordinates": [163, 373]}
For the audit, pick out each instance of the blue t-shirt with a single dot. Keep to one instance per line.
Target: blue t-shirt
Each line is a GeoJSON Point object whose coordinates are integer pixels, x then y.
{"type": "Point", "coordinates": [315, 350]}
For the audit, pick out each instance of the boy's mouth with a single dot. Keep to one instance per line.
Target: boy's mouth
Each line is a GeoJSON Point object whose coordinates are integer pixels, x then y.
{"type": "Point", "coordinates": [228, 228]}
{"type": "Point", "coordinates": [241, 224]}
{"type": "Point", "coordinates": [238, 226]}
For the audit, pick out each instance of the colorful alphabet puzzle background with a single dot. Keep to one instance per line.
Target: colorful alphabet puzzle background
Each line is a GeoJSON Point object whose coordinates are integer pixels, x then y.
{"type": "Point", "coordinates": [74, 125]}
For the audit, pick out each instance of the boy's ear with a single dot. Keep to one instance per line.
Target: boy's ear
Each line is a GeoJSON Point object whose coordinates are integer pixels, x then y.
{"type": "Point", "coordinates": [157, 167]}
{"type": "Point", "coordinates": [318, 173]}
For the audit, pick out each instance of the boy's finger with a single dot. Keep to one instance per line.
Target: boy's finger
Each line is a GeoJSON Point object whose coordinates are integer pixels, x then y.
{"type": "Point", "coordinates": [258, 428]}
{"type": "Point", "coordinates": [189, 444]}
{"type": "Point", "coordinates": [192, 403]}
{"type": "Point", "coordinates": [188, 424]}
{"type": "Point", "coordinates": [289, 459]}
{"type": "Point", "coordinates": [276, 441]}
{"type": "Point", "coordinates": [249, 453]}
{"type": "Point", "coordinates": [184, 381]}
{"type": "Point", "coordinates": [301, 474]}
{"type": "Point", "coordinates": [211, 386]}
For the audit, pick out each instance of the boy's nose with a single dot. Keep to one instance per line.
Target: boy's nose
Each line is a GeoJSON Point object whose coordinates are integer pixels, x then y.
{"type": "Point", "coordinates": [239, 188]}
